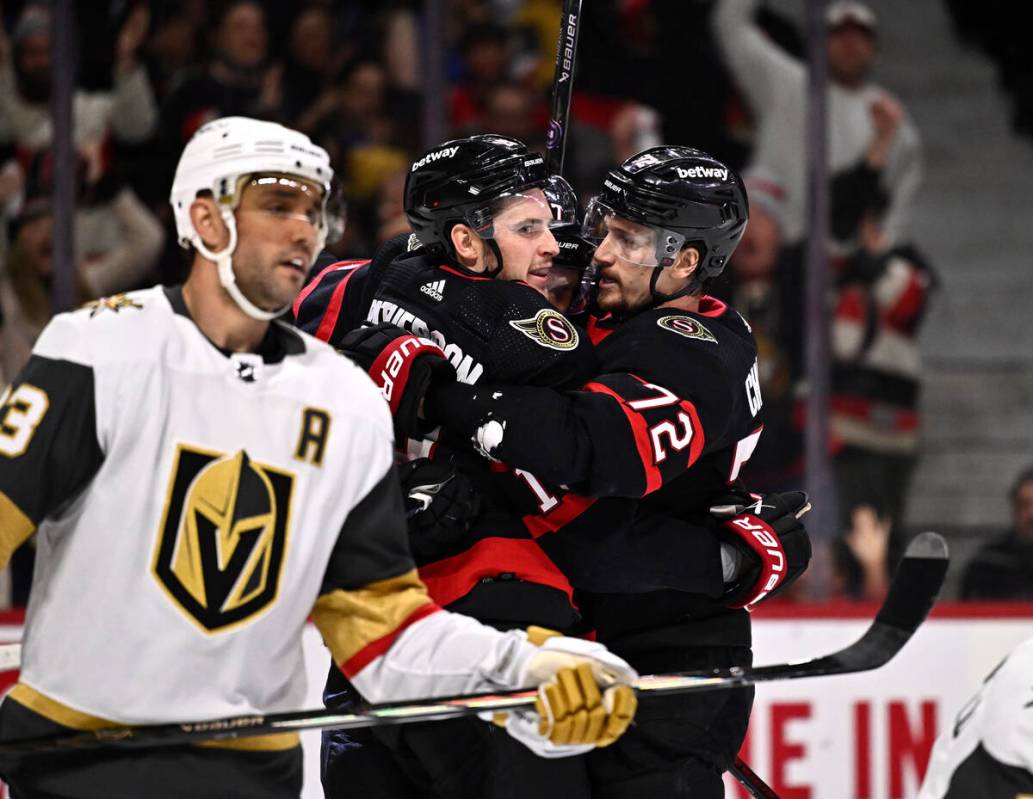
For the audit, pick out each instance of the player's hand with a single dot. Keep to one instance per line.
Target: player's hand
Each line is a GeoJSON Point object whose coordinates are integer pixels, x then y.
{"type": "Point", "coordinates": [766, 537]}
{"type": "Point", "coordinates": [584, 697]}
{"type": "Point", "coordinates": [441, 503]}
{"type": "Point", "coordinates": [403, 366]}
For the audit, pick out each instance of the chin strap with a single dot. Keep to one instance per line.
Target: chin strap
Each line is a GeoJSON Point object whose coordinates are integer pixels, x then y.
{"type": "Point", "coordinates": [224, 263]}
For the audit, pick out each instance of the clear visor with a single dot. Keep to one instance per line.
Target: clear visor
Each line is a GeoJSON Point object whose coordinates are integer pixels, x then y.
{"type": "Point", "coordinates": [529, 212]}
{"type": "Point", "coordinates": [638, 244]}
{"type": "Point", "coordinates": [281, 196]}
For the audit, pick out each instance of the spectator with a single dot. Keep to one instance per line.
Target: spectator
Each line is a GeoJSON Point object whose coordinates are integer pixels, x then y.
{"type": "Point", "coordinates": [128, 112]}
{"type": "Point", "coordinates": [236, 80]}
{"type": "Point", "coordinates": [313, 61]}
{"type": "Point", "coordinates": [882, 293]}
{"type": "Point", "coordinates": [1003, 569]}
{"type": "Point", "coordinates": [487, 58]}
{"type": "Point", "coordinates": [775, 86]}
{"type": "Point", "coordinates": [764, 285]}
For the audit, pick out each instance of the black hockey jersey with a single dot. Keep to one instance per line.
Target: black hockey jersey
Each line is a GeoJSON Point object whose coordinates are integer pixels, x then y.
{"type": "Point", "coordinates": [667, 424]}
{"type": "Point", "coordinates": [490, 330]}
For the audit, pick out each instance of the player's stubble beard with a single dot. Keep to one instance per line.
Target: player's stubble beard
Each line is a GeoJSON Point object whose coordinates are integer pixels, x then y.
{"type": "Point", "coordinates": [258, 277]}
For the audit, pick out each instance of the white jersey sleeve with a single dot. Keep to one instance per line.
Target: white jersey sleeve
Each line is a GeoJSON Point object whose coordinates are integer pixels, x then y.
{"type": "Point", "coordinates": [987, 752]}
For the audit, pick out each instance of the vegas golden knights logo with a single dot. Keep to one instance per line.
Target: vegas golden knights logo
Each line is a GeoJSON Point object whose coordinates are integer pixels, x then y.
{"type": "Point", "coordinates": [223, 535]}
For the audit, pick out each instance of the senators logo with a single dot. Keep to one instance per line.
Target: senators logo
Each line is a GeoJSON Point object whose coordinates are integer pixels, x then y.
{"type": "Point", "coordinates": [223, 534]}
{"type": "Point", "coordinates": [686, 326]}
{"type": "Point", "coordinates": [548, 329]}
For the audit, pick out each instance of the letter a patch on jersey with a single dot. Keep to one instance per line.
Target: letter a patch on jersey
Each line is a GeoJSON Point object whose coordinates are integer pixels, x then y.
{"type": "Point", "coordinates": [223, 534]}
{"type": "Point", "coordinates": [686, 326]}
{"type": "Point", "coordinates": [548, 329]}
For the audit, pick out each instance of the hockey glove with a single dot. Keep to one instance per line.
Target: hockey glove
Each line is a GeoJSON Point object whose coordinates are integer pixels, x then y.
{"type": "Point", "coordinates": [403, 366]}
{"type": "Point", "coordinates": [584, 699]}
{"type": "Point", "coordinates": [440, 504]}
{"type": "Point", "coordinates": [765, 546]}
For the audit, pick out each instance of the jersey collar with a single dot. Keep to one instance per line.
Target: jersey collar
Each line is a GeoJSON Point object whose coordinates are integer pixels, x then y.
{"type": "Point", "coordinates": [280, 340]}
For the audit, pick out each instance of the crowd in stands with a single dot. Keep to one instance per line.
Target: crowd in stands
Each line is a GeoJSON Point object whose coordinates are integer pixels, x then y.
{"type": "Point", "coordinates": [351, 76]}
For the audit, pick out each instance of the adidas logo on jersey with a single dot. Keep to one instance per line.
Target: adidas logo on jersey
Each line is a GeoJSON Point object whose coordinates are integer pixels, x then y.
{"type": "Point", "coordinates": [435, 289]}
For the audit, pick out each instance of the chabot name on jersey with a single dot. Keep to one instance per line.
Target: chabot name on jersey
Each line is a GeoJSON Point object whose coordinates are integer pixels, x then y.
{"type": "Point", "coordinates": [467, 369]}
{"type": "Point", "coordinates": [702, 172]}
{"type": "Point", "coordinates": [448, 152]}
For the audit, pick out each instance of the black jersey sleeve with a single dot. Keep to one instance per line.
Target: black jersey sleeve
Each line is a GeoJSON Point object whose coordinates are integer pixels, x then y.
{"type": "Point", "coordinates": [333, 302]}
{"type": "Point", "coordinates": [373, 542]}
{"type": "Point", "coordinates": [49, 448]}
{"type": "Point", "coordinates": [618, 436]}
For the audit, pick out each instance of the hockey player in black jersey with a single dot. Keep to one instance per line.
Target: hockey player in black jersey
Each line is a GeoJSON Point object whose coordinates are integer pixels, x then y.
{"type": "Point", "coordinates": [202, 478]}
{"type": "Point", "coordinates": [664, 428]}
{"type": "Point", "coordinates": [483, 210]}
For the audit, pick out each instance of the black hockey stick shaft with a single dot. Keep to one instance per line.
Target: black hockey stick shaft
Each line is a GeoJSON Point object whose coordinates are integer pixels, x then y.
{"type": "Point", "coordinates": [911, 596]}
{"type": "Point", "coordinates": [749, 780]}
{"type": "Point", "coordinates": [562, 86]}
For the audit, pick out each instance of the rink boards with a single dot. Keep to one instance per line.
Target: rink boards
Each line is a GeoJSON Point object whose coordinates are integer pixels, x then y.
{"type": "Point", "coordinates": [864, 736]}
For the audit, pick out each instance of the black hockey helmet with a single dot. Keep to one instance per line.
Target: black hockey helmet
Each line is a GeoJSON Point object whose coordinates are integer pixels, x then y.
{"type": "Point", "coordinates": [686, 196]}
{"type": "Point", "coordinates": [462, 181]}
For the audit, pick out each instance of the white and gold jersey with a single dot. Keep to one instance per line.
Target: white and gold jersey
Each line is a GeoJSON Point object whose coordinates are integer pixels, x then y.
{"type": "Point", "coordinates": [193, 507]}
{"type": "Point", "coordinates": [986, 752]}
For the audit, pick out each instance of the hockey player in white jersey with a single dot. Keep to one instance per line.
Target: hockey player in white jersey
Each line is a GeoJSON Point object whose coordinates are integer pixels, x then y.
{"type": "Point", "coordinates": [987, 751]}
{"type": "Point", "coordinates": [201, 478]}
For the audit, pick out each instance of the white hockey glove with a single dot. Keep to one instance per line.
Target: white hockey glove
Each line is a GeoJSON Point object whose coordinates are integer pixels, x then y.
{"type": "Point", "coordinates": [584, 697]}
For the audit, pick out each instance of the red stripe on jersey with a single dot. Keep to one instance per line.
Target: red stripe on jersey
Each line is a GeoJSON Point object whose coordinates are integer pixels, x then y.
{"type": "Point", "coordinates": [640, 430]}
{"type": "Point", "coordinates": [375, 649]}
{"type": "Point", "coordinates": [333, 308]}
{"type": "Point", "coordinates": [323, 273]}
{"type": "Point", "coordinates": [596, 333]}
{"type": "Point", "coordinates": [569, 508]}
{"type": "Point", "coordinates": [453, 578]}
{"type": "Point", "coordinates": [711, 306]}
{"type": "Point", "coordinates": [902, 313]}
{"type": "Point", "coordinates": [457, 273]}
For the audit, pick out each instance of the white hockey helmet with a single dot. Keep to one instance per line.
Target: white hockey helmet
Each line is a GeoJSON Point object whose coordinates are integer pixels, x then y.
{"type": "Point", "coordinates": [215, 159]}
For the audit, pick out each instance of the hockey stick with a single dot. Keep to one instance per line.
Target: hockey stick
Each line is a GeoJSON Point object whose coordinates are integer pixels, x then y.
{"type": "Point", "coordinates": [562, 86]}
{"type": "Point", "coordinates": [10, 656]}
{"type": "Point", "coordinates": [750, 781]}
{"type": "Point", "coordinates": [912, 593]}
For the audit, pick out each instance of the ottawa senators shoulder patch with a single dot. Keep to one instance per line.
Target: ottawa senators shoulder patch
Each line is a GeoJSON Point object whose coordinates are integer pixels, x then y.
{"type": "Point", "coordinates": [548, 329]}
{"type": "Point", "coordinates": [686, 326]}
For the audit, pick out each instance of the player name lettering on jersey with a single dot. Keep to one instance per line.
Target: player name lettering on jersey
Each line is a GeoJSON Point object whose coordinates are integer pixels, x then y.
{"type": "Point", "coordinates": [467, 369]}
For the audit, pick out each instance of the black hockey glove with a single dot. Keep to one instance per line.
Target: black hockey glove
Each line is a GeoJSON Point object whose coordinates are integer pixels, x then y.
{"type": "Point", "coordinates": [763, 541]}
{"type": "Point", "coordinates": [403, 366]}
{"type": "Point", "coordinates": [440, 504]}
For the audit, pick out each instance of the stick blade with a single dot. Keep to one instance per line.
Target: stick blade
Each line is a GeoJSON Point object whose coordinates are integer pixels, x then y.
{"type": "Point", "coordinates": [916, 584]}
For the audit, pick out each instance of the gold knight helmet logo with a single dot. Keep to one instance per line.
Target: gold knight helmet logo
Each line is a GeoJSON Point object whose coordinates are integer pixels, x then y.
{"type": "Point", "coordinates": [223, 535]}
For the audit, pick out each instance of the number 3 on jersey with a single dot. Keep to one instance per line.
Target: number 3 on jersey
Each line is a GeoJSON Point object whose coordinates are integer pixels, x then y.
{"type": "Point", "coordinates": [21, 411]}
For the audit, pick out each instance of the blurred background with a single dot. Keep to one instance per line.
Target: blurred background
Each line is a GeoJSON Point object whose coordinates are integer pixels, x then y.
{"type": "Point", "coordinates": [926, 256]}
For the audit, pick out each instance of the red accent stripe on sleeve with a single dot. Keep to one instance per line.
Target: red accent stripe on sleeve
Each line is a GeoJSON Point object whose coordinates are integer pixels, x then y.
{"type": "Point", "coordinates": [453, 578]}
{"type": "Point", "coordinates": [698, 438]}
{"type": "Point", "coordinates": [333, 308]}
{"type": "Point", "coordinates": [296, 305]}
{"type": "Point", "coordinates": [375, 649]}
{"type": "Point", "coordinates": [640, 430]}
{"type": "Point", "coordinates": [569, 508]}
